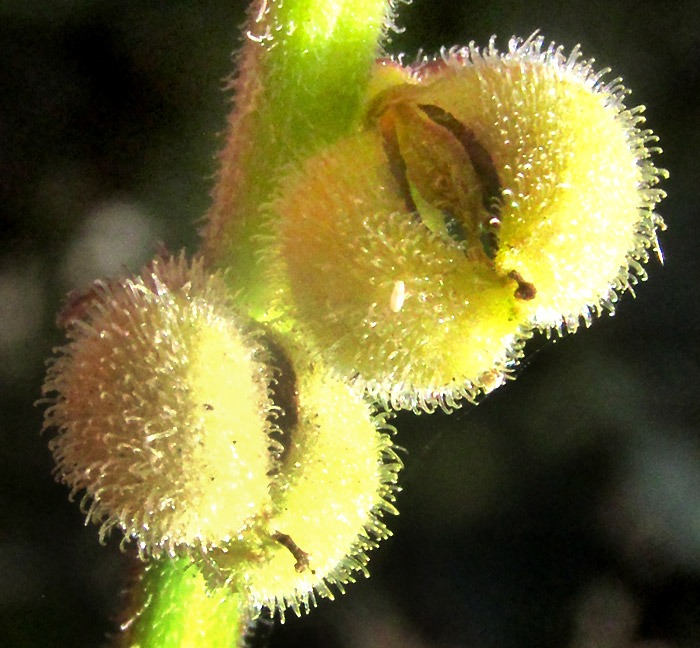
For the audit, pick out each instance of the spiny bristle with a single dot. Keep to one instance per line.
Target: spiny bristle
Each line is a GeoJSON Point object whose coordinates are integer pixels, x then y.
{"type": "Point", "coordinates": [421, 399]}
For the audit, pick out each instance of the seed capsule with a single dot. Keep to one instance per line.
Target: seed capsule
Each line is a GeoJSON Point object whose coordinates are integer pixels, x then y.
{"type": "Point", "coordinates": [336, 478]}
{"type": "Point", "coordinates": [162, 408]}
{"type": "Point", "coordinates": [573, 188]}
{"type": "Point", "coordinates": [347, 242]}
{"type": "Point", "coordinates": [489, 194]}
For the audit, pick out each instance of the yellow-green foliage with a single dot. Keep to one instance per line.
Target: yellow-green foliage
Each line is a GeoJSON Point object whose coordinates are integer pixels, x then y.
{"type": "Point", "coordinates": [489, 194]}
{"type": "Point", "coordinates": [162, 406]}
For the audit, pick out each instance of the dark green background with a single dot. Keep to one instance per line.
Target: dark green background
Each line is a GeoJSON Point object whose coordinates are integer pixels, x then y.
{"type": "Point", "coordinates": [562, 512]}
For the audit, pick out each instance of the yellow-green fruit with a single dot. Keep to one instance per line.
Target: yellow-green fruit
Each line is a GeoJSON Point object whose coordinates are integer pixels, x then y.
{"type": "Point", "coordinates": [336, 477]}
{"type": "Point", "coordinates": [575, 187]}
{"type": "Point", "coordinates": [488, 194]}
{"type": "Point", "coordinates": [391, 303]}
{"type": "Point", "coordinates": [162, 407]}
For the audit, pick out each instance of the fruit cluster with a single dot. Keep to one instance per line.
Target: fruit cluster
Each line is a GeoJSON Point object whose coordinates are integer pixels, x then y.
{"type": "Point", "coordinates": [484, 195]}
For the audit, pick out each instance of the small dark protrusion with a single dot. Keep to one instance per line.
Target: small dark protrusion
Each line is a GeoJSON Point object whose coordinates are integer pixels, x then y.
{"type": "Point", "coordinates": [525, 290]}
{"type": "Point", "coordinates": [300, 556]}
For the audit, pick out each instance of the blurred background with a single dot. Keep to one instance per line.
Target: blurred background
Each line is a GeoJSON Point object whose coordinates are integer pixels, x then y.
{"type": "Point", "coordinates": [562, 512]}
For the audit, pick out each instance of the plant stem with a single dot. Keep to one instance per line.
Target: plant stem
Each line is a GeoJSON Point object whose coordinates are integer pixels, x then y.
{"type": "Point", "coordinates": [176, 609]}
{"type": "Point", "coordinates": [303, 74]}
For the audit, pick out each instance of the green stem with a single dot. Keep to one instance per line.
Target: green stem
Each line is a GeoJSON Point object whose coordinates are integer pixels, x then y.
{"type": "Point", "coordinates": [174, 608]}
{"type": "Point", "coordinates": [303, 74]}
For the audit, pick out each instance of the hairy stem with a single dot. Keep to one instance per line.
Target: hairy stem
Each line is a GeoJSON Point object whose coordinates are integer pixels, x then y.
{"type": "Point", "coordinates": [303, 73]}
